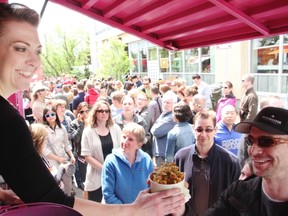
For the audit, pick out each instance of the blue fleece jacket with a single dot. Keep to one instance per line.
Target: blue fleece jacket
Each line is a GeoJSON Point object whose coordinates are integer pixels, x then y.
{"type": "Point", "coordinates": [226, 139]}
{"type": "Point", "coordinates": [121, 182]}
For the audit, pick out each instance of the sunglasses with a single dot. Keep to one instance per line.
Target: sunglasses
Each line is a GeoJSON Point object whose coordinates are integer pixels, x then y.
{"type": "Point", "coordinates": [207, 130]}
{"type": "Point", "coordinates": [84, 111]}
{"type": "Point", "coordinates": [50, 115]}
{"type": "Point", "coordinates": [264, 141]}
{"type": "Point", "coordinates": [199, 106]}
{"type": "Point", "coordinates": [102, 111]}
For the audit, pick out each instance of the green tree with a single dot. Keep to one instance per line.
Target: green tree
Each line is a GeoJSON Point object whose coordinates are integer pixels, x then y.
{"type": "Point", "coordinates": [66, 53]}
{"type": "Point", "coordinates": [114, 60]}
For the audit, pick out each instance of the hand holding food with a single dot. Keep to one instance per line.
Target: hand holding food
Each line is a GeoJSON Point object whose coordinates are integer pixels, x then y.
{"type": "Point", "coordinates": [168, 173]}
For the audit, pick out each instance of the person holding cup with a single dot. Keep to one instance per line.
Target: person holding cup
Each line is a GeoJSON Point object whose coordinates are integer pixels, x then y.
{"type": "Point", "coordinates": [28, 176]}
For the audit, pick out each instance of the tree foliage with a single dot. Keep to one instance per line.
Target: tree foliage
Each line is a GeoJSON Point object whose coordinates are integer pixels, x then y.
{"type": "Point", "coordinates": [65, 53]}
{"type": "Point", "coordinates": [114, 60]}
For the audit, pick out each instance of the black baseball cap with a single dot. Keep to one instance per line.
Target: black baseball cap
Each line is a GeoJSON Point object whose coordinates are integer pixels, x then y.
{"type": "Point", "coordinates": [273, 120]}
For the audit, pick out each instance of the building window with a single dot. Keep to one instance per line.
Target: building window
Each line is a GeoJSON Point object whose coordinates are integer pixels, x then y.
{"type": "Point", "coordinates": [133, 52]}
{"type": "Point", "coordinates": [152, 53]}
{"type": "Point", "coordinates": [205, 60]}
{"type": "Point", "coordinates": [176, 61]}
{"type": "Point", "coordinates": [270, 64]}
{"type": "Point", "coordinates": [164, 60]}
{"type": "Point", "coordinates": [191, 60]}
{"type": "Point", "coordinates": [143, 60]}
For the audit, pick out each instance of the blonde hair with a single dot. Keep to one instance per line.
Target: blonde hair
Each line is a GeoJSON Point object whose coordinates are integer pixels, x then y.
{"type": "Point", "coordinates": [39, 133]}
{"type": "Point", "coordinates": [137, 130]}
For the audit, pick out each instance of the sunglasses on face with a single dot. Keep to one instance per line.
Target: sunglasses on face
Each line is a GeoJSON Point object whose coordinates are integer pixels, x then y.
{"type": "Point", "coordinates": [84, 111]}
{"type": "Point", "coordinates": [199, 106]}
{"type": "Point", "coordinates": [207, 130]}
{"type": "Point", "coordinates": [102, 111]}
{"type": "Point", "coordinates": [50, 115]}
{"type": "Point", "coordinates": [264, 141]}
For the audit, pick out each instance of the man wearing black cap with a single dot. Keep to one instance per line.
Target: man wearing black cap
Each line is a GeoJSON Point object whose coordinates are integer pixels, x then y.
{"type": "Point", "coordinates": [266, 194]}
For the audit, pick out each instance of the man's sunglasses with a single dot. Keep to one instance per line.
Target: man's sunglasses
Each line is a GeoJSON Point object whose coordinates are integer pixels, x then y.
{"type": "Point", "coordinates": [84, 111]}
{"type": "Point", "coordinates": [50, 115]}
{"type": "Point", "coordinates": [102, 111]}
{"type": "Point", "coordinates": [264, 141]}
{"type": "Point", "coordinates": [207, 130]}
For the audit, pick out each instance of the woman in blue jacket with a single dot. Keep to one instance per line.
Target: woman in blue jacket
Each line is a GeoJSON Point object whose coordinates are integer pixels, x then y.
{"type": "Point", "coordinates": [126, 170]}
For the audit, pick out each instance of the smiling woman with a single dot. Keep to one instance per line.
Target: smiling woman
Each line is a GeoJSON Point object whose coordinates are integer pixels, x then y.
{"type": "Point", "coordinates": [126, 170]}
{"type": "Point", "coordinates": [14, 47]}
{"type": "Point", "coordinates": [28, 176]}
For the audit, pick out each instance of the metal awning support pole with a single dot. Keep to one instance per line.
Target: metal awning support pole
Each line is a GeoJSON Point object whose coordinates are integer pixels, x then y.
{"type": "Point", "coordinates": [43, 8]}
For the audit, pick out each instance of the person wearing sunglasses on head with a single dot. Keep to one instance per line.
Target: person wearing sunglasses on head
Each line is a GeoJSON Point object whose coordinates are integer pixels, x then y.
{"type": "Point", "coordinates": [98, 139]}
{"type": "Point", "coordinates": [267, 193]}
{"type": "Point", "coordinates": [227, 98]}
{"type": "Point", "coordinates": [20, 50]}
{"type": "Point", "coordinates": [209, 168]}
{"type": "Point", "coordinates": [57, 148]}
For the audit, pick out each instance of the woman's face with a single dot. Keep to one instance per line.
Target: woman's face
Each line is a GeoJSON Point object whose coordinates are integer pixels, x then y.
{"type": "Point", "coordinates": [142, 101]}
{"type": "Point", "coordinates": [84, 112]}
{"type": "Point", "coordinates": [61, 110]}
{"type": "Point", "coordinates": [50, 117]}
{"type": "Point", "coordinates": [226, 90]}
{"type": "Point", "coordinates": [19, 53]}
{"type": "Point", "coordinates": [128, 105]}
{"type": "Point", "coordinates": [102, 113]}
{"type": "Point", "coordinates": [130, 143]}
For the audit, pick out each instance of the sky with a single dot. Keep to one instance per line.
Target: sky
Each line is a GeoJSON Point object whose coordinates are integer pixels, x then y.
{"type": "Point", "coordinates": [56, 14]}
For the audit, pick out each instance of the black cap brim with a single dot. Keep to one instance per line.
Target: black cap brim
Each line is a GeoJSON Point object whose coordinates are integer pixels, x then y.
{"type": "Point", "coordinates": [245, 127]}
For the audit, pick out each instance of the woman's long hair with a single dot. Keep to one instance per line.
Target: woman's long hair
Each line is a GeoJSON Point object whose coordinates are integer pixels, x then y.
{"type": "Point", "coordinates": [92, 117]}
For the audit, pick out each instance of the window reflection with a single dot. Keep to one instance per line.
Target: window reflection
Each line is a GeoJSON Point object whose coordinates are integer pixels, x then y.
{"type": "Point", "coordinates": [143, 60]}
{"type": "Point", "coordinates": [176, 61]}
{"type": "Point", "coordinates": [135, 60]}
{"type": "Point", "coordinates": [191, 60]}
{"type": "Point", "coordinates": [164, 60]}
{"type": "Point", "coordinates": [270, 58]}
{"type": "Point", "coordinates": [205, 60]}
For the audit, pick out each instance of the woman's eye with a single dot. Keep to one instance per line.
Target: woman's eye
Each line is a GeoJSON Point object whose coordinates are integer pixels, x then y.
{"type": "Point", "coordinates": [20, 49]}
{"type": "Point", "coordinates": [39, 52]}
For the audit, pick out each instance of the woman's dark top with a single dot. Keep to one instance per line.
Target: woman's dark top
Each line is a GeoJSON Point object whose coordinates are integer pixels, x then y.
{"type": "Point", "coordinates": [20, 164]}
{"type": "Point", "coordinates": [107, 144]}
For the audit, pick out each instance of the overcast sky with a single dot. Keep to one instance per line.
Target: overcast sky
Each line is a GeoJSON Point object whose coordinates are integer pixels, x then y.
{"type": "Point", "coordinates": [56, 15]}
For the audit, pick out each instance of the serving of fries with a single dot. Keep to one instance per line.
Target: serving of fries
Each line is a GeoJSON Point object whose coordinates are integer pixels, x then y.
{"type": "Point", "coordinates": [167, 173]}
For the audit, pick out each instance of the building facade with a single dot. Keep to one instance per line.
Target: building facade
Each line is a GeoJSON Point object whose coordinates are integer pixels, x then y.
{"type": "Point", "coordinates": [266, 58]}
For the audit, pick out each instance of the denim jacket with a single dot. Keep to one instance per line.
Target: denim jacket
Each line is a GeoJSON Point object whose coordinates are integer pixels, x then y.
{"type": "Point", "coordinates": [180, 136]}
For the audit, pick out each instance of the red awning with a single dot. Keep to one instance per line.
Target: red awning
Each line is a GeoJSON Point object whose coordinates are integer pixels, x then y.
{"type": "Point", "coordinates": [183, 24]}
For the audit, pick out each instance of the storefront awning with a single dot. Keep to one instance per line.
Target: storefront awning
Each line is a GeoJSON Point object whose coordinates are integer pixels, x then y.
{"type": "Point", "coordinates": [183, 24]}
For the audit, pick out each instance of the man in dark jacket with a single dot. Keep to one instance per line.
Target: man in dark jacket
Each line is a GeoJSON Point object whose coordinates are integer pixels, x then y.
{"type": "Point", "coordinates": [249, 101]}
{"type": "Point", "coordinates": [267, 194]}
{"type": "Point", "coordinates": [209, 168]}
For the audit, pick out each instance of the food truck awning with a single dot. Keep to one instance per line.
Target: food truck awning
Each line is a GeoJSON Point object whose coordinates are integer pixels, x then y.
{"type": "Point", "coordinates": [183, 24]}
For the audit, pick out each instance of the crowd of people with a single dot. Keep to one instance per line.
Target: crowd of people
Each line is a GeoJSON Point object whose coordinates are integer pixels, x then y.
{"type": "Point", "coordinates": [107, 136]}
